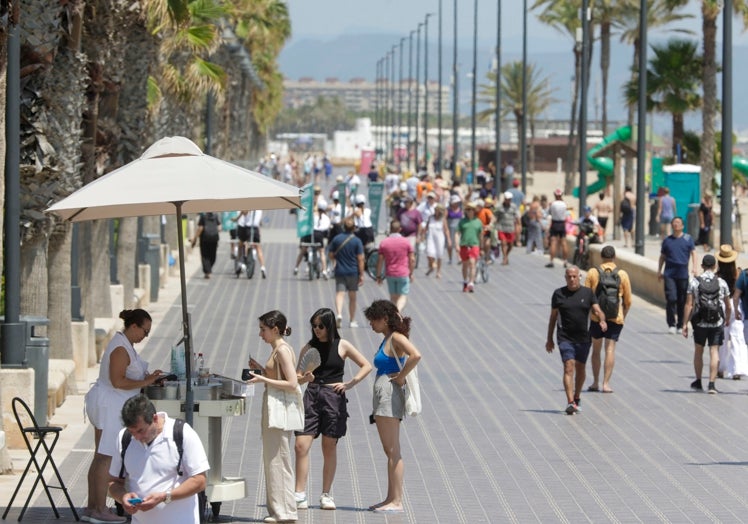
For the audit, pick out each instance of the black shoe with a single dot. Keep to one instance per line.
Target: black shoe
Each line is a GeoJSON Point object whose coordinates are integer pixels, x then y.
{"type": "Point", "coordinates": [696, 384]}
{"type": "Point", "coordinates": [712, 389]}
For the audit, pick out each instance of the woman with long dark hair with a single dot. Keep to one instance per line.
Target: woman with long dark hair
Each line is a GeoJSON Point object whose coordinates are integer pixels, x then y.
{"type": "Point", "coordinates": [389, 396]}
{"type": "Point", "coordinates": [321, 367]}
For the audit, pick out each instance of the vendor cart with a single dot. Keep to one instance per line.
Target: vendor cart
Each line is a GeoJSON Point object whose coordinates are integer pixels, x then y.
{"type": "Point", "coordinates": [220, 397]}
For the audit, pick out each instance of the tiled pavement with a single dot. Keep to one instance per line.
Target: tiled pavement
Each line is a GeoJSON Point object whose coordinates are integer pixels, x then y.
{"type": "Point", "coordinates": [493, 444]}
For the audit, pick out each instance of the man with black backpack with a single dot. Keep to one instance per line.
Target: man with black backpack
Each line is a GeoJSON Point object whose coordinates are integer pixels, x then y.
{"type": "Point", "coordinates": [157, 445]}
{"type": "Point", "coordinates": [208, 226]}
{"type": "Point", "coordinates": [612, 288]}
{"type": "Point", "coordinates": [709, 301]}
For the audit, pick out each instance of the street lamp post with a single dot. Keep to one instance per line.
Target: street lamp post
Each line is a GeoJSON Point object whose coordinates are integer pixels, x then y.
{"type": "Point", "coordinates": [439, 98]}
{"type": "Point", "coordinates": [455, 98]}
{"type": "Point", "coordinates": [583, 109]}
{"type": "Point", "coordinates": [400, 101]}
{"type": "Point", "coordinates": [376, 109]}
{"type": "Point", "coordinates": [641, 138]}
{"type": "Point", "coordinates": [725, 220]}
{"type": "Point", "coordinates": [418, 88]}
{"type": "Point", "coordinates": [523, 135]}
{"type": "Point", "coordinates": [475, 89]}
{"type": "Point", "coordinates": [392, 98]}
{"type": "Point", "coordinates": [426, 89]}
{"type": "Point", "coordinates": [410, 90]}
{"type": "Point", "coordinates": [497, 122]}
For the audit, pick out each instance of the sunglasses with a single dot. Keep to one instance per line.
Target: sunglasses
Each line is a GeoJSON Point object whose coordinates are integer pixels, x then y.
{"type": "Point", "coordinates": [318, 326]}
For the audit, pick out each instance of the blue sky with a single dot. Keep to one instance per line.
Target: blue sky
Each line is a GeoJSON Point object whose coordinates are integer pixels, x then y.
{"type": "Point", "coordinates": [331, 18]}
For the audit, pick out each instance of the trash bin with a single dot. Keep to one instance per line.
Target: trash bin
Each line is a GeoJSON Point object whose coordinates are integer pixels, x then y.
{"type": "Point", "coordinates": [692, 221]}
{"type": "Point", "coordinates": [149, 252]}
{"type": "Point", "coordinates": [37, 356]}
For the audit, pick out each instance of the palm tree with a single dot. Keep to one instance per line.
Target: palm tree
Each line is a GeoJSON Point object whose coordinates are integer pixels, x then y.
{"type": "Point", "coordinates": [710, 11]}
{"type": "Point", "coordinates": [539, 97]}
{"type": "Point", "coordinates": [673, 83]}
{"type": "Point", "coordinates": [564, 17]}
{"type": "Point", "coordinates": [659, 14]}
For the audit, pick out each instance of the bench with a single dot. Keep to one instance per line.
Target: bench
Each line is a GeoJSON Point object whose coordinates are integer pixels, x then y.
{"type": "Point", "coordinates": [104, 329]}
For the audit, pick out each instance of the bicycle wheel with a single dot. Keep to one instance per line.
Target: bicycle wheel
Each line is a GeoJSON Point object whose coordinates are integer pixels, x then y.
{"type": "Point", "coordinates": [483, 271]}
{"type": "Point", "coordinates": [239, 261]}
{"type": "Point", "coordinates": [310, 262]}
{"type": "Point", "coordinates": [371, 264]}
{"type": "Point", "coordinates": [250, 263]}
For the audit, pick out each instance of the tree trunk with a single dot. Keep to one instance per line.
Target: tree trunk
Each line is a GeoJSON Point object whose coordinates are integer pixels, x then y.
{"type": "Point", "coordinates": [34, 274]}
{"type": "Point", "coordinates": [678, 133]}
{"type": "Point", "coordinates": [126, 249]}
{"type": "Point", "coordinates": [60, 294]}
{"type": "Point", "coordinates": [604, 69]}
{"type": "Point", "coordinates": [709, 109]}
{"type": "Point", "coordinates": [629, 173]}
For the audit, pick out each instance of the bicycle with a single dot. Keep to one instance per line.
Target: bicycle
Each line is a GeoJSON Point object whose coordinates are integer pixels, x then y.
{"type": "Point", "coordinates": [586, 235]}
{"type": "Point", "coordinates": [371, 258]}
{"type": "Point", "coordinates": [314, 263]}
{"type": "Point", "coordinates": [245, 262]}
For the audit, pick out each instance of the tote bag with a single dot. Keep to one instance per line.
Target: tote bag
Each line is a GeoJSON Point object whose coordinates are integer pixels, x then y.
{"type": "Point", "coordinates": [285, 408]}
{"type": "Point", "coordinates": [412, 392]}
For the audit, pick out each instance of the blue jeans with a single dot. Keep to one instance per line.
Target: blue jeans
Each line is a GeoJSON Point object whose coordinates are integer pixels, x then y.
{"type": "Point", "coordinates": [675, 295]}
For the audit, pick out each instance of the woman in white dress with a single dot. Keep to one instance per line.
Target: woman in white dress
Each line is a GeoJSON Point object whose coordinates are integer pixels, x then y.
{"type": "Point", "coordinates": [437, 234]}
{"type": "Point", "coordinates": [733, 354]}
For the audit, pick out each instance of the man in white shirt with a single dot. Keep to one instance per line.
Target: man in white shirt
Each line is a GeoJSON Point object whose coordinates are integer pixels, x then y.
{"type": "Point", "coordinates": [158, 487]}
{"type": "Point", "coordinates": [557, 231]}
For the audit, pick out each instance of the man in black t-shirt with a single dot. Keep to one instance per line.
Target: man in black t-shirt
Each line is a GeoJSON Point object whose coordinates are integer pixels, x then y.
{"type": "Point", "coordinates": [570, 313]}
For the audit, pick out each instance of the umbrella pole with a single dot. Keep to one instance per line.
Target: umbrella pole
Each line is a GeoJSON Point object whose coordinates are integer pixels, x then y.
{"type": "Point", "coordinates": [189, 402]}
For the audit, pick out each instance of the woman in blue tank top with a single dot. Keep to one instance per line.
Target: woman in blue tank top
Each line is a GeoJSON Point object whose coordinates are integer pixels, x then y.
{"type": "Point", "coordinates": [389, 399]}
{"type": "Point", "coordinates": [325, 402]}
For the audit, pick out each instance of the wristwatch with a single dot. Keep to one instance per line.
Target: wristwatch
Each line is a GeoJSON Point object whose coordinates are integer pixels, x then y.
{"type": "Point", "coordinates": [167, 499]}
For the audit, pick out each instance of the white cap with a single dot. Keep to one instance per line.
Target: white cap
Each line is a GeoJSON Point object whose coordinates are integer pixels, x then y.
{"type": "Point", "coordinates": [322, 204]}
{"type": "Point", "coordinates": [455, 199]}
{"type": "Point", "coordinates": [360, 199]}
{"type": "Point", "coordinates": [335, 195]}
{"type": "Point", "coordinates": [403, 186]}
{"type": "Point", "coordinates": [508, 195]}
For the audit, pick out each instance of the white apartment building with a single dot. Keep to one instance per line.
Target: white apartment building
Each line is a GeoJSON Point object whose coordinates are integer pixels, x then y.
{"type": "Point", "coordinates": [358, 94]}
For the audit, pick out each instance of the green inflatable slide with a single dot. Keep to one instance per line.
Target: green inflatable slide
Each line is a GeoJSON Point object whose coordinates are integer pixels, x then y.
{"type": "Point", "coordinates": [604, 165]}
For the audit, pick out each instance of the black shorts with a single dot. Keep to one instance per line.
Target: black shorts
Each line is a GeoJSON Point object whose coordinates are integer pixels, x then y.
{"type": "Point", "coordinates": [245, 233]}
{"type": "Point", "coordinates": [319, 238]}
{"type": "Point", "coordinates": [325, 412]}
{"type": "Point", "coordinates": [232, 234]}
{"type": "Point", "coordinates": [612, 333]}
{"type": "Point", "coordinates": [708, 336]}
{"type": "Point", "coordinates": [558, 229]}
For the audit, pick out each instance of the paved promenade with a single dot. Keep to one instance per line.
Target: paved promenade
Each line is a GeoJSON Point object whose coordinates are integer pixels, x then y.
{"type": "Point", "coordinates": [493, 443]}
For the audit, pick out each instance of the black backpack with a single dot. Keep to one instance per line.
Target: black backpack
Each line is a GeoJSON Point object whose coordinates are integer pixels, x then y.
{"type": "Point", "coordinates": [607, 292]}
{"type": "Point", "coordinates": [178, 436]}
{"type": "Point", "coordinates": [210, 226]}
{"type": "Point", "coordinates": [708, 308]}
{"type": "Point", "coordinates": [626, 205]}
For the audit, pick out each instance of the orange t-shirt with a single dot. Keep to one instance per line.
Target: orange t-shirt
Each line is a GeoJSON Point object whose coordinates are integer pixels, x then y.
{"type": "Point", "coordinates": [485, 215]}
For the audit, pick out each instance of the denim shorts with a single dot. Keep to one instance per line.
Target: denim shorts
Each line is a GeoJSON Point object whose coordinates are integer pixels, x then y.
{"type": "Point", "coordinates": [574, 351]}
{"type": "Point", "coordinates": [398, 285]}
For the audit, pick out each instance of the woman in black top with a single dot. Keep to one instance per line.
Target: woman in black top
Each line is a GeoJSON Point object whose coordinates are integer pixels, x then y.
{"type": "Point", "coordinates": [324, 401]}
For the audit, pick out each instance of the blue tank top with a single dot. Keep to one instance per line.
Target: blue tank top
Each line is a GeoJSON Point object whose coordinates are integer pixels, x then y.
{"type": "Point", "coordinates": [385, 364]}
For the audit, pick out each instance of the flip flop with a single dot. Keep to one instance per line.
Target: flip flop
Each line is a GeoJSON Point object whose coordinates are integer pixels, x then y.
{"type": "Point", "coordinates": [593, 388]}
{"type": "Point", "coordinates": [607, 391]}
{"type": "Point", "coordinates": [388, 510]}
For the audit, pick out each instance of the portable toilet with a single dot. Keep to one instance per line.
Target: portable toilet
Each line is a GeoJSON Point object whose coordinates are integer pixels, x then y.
{"type": "Point", "coordinates": [684, 183]}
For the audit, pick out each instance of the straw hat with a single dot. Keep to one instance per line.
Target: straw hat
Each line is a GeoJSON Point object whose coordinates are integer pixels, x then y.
{"type": "Point", "coordinates": [726, 253]}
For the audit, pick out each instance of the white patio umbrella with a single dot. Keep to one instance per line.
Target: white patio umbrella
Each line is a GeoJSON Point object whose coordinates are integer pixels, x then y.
{"type": "Point", "coordinates": [175, 176]}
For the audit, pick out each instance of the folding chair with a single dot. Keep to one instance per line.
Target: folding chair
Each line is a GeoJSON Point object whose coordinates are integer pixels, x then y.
{"type": "Point", "coordinates": [39, 433]}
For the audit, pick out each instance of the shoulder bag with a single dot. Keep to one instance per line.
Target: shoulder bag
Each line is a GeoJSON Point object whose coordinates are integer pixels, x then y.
{"type": "Point", "coordinates": [412, 388]}
{"type": "Point", "coordinates": [285, 408]}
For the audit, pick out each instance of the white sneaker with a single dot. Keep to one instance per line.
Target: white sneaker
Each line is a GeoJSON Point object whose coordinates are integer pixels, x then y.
{"type": "Point", "coordinates": [302, 503]}
{"type": "Point", "coordinates": [354, 324]}
{"type": "Point", "coordinates": [326, 502]}
{"type": "Point", "coordinates": [339, 321]}
{"type": "Point", "coordinates": [672, 330]}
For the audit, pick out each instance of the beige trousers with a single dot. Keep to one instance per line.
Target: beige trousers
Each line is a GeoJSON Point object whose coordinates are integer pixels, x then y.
{"type": "Point", "coordinates": [279, 470]}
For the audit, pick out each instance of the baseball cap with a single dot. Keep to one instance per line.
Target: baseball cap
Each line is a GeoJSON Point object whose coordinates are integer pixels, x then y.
{"type": "Point", "coordinates": [360, 199]}
{"type": "Point", "coordinates": [322, 204]}
{"type": "Point", "coordinates": [335, 195]}
{"type": "Point", "coordinates": [430, 194]}
{"type": "Point", "coordinates": [587, 209]}
{"type": "Point", "coordinates": [455, 199]}
{"type": "Point", "coordinates": [515, 182]}
{"type": "Point", "coordinates": [708, 261]}
{"type": "Point", "coordinates": [403, 186]}
{"type": "Point", "coordinates": [480, 202]}
{"type": "Point", "coordinates": [508, 195]}
{"type": "Point", "coordinates": [558, 192]}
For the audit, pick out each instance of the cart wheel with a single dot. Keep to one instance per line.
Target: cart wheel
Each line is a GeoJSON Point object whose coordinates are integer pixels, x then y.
{"type": "Point", "coordinates": [216, 508]}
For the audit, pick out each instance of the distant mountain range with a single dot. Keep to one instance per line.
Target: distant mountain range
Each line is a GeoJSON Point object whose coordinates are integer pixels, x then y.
{"type": "Point", "coordinates": [352, 56]}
